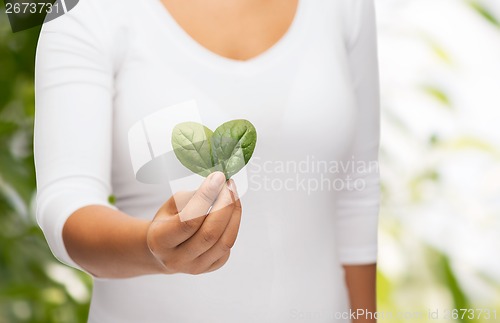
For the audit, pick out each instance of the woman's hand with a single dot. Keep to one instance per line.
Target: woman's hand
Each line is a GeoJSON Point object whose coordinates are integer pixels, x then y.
{"type": "Point", "coordinates": [193, 232]}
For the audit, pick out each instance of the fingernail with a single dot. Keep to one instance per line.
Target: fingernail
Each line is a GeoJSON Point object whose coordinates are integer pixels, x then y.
{"type": "Point", "coordinates": [217, 179]}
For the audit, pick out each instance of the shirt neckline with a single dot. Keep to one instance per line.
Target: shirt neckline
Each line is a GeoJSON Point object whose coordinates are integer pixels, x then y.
{"type": "Point", "coordinates": [250, 66]}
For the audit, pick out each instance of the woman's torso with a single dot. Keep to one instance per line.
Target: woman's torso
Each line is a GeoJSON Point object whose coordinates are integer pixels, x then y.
{"type": "Point", "coordinates": [298, 94]}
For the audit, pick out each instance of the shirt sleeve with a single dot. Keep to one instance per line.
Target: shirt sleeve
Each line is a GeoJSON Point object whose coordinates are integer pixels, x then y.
{"type": "Point", "coordinates": [358, 203]}
{"type": "Point", "coordinates": [73, 119]}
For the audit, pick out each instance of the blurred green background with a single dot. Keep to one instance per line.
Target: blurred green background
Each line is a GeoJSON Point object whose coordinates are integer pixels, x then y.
{"type": "Point", "coordinates": [34, 287]}
{"type": "Point", "coordinates": [439, 222]}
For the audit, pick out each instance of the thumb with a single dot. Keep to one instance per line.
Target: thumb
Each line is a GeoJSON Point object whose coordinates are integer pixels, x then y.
{"type": "Point", "coordinates": [204, 197]}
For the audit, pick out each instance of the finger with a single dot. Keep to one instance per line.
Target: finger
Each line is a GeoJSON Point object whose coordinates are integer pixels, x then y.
{"type": "Point", "coordinates": [177, 202]}
{"type": "Point", "coordinates": [170, 231]}
{"type": "Point", "coordinates": [228, 237]}
{"type": "Point", "coordinates": [166, 222]}
{"type": "Point", "coordinates": [204, 197]}
{"type": "Point", "coordinates": [226, 241]}
{"type": "Point", "coordinates": [219, 263]}
{"type": "Point", "coordinates": [212, 228]}
{"type": "Point", "coordinates": [234, 192]}
{"type": "Point", "coordinates": [226, 199]}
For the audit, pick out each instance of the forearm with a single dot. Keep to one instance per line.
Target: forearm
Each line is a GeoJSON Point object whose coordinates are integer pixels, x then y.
{"type": "Point", "coordinates": [361, 285]}
{"type": "Point", "coordinates": [108, 243]}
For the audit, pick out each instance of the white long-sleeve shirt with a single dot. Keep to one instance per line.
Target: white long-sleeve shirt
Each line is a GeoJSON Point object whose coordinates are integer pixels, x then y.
{"type": "Point", "coordinates": [311, 191]}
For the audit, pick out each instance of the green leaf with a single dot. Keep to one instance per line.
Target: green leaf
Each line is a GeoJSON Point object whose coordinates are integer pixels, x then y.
{"type": "Point", "coordinates": [112, 199]}
{"type": "Point", "coordinates": [485, 13]}
{"type": "Point", "coordinates": [227, 149]}
{"type": "Point", "coordinates": [192, 146]}
{"type": "Point", "coordinates": [233, 144]}
{"type": "Point", "coordinates": [437, 94]}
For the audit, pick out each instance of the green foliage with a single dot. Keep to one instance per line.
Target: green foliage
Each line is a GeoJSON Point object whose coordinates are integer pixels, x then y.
{"type": "Point", "coordinates": [228, 149]}
{"type": "Point", "coordinates": [438, 94]}
{"type": "Point", "coordinates": [448, 278]}
{"type": "Point", "coordinates": [482, 10]}
{"type": "Point", "coordinates": [192, 145]}
{"type": "Point", "coordinates": [30, 289]}
{"type": "Point", "coordinates": [233, 145]}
